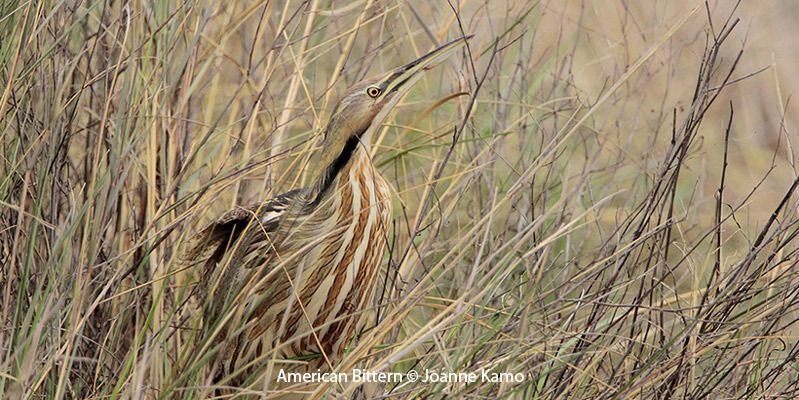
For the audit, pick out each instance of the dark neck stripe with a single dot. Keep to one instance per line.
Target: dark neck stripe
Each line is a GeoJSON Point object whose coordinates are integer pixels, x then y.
{"type": "Point", "coordinates": [332, 170]}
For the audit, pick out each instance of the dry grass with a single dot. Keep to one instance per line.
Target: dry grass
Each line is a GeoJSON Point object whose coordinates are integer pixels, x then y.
{"type": "Point", "coordinates": [597, 195]}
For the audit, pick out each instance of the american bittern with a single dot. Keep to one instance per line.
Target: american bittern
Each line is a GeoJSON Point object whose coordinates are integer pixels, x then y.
{"type": "Point", "coordinates": [304, 264]}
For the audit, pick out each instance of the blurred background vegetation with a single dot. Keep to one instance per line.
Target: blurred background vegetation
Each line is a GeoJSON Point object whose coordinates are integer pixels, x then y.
{"type": "Point", "coordinates": [596, 194]}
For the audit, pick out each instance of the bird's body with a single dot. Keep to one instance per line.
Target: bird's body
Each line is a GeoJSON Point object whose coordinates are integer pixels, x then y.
{"type": "Point", "coordinates": [330, 254]}
{"type": "Point", "coordinates": [296, 274]}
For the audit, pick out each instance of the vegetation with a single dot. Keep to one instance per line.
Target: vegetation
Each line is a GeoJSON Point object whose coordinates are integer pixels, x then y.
{"type": "Point", "coordinates": [600, 196]}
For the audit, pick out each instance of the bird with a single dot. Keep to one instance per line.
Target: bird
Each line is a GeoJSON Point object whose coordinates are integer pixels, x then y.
{"type": "Point", "coordinates": [295, 275]}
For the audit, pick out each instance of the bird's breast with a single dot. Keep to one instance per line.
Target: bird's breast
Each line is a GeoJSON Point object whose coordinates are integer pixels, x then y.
{"type": "Point", "coordinates": [332, 264]}
{"type": "Point", "coordinates": [338, 295]}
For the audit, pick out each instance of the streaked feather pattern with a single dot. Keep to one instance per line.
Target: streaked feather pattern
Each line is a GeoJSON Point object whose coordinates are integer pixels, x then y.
{"type": "Point", "coordinates": [320, 264]}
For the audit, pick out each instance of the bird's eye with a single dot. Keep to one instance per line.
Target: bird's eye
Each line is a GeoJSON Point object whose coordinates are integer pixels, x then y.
{"type": "Point", "coordinates": [373, 91]}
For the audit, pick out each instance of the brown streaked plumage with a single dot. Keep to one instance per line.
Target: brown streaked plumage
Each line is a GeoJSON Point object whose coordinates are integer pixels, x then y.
{"type": "Point", "coordinates": [295, 274]}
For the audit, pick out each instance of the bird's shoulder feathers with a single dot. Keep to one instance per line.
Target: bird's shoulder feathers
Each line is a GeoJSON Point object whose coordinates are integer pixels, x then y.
{"type": "Point", "coordinates": [261, 218]}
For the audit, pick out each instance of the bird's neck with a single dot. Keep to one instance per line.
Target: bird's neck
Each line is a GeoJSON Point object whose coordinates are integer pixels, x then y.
{"type": "Point", "coordinates": [352, 153]}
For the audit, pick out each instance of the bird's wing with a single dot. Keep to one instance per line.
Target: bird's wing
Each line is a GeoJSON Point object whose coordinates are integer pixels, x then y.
{"type": "Point", "coordinates": [212, 246]}
{"type": "Point", "coordinates": [214, 242]}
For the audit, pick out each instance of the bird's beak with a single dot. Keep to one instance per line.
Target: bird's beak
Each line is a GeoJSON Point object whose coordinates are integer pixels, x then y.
{"type": "Point", "coordinates": [405, 76]}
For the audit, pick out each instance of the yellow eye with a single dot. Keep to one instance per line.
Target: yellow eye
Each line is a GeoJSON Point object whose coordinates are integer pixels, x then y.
{"type": "Point", "coordinates": [373, 91]}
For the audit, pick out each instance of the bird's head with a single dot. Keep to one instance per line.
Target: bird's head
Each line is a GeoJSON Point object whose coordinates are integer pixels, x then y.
{"type": "Point", "coordinates": [365, 105]}
{"type": "Point", "coordinates": [361, 111]}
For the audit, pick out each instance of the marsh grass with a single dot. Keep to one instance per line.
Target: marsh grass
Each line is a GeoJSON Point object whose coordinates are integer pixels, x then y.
{"type": "Point", "coordinates": [566, 210]}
